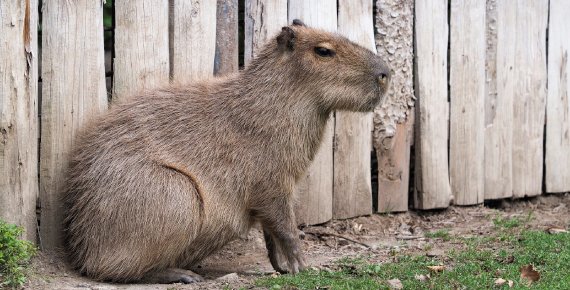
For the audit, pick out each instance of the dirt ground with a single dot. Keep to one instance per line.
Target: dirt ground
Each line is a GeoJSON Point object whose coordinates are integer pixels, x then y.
{"type": "Point", "coordinates": [375, 236]}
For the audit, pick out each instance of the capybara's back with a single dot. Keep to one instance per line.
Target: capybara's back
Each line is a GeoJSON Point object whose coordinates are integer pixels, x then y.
{"type": "Point", "coordinates": [169, 176]}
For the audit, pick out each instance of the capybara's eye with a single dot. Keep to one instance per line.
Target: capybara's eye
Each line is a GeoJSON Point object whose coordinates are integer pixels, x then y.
{"type": "Point", "coordinates": [324, 52]}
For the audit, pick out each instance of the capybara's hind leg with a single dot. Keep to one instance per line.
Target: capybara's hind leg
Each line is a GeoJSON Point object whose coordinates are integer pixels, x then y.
{"type": "Point", "coordinates": [173, 275]}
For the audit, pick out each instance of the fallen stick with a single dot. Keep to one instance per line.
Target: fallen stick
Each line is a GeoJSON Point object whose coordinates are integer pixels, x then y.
{"type": "Point", "coordinates": [338, 236]}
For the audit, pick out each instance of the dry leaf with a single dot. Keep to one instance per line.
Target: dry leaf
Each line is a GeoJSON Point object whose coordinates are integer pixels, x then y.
{"type": "Point", "coordinates": [529, 274]}
{"type": "Point", "coordinates": [511, 283]}
{"type": "Point", "coordinates": [395, 284]}
{"type": "Point", "coordinates": [436, 269]}
{"type": "Point", "coordinates": [500, 281]}
{"type": "Point", "coordinates": [554, 231]}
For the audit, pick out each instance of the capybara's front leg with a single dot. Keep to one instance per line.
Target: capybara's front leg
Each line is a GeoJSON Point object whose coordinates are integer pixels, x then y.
{"type": "Point", "coordinates": [278, 221]}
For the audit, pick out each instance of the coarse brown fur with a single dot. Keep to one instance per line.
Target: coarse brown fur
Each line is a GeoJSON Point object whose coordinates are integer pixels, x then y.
{"type": "Point", "coordinates": [169, 176]}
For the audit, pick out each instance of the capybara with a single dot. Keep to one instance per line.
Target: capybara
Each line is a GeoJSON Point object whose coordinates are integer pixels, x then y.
{"type": "Point", "coordinates": [170, 175]}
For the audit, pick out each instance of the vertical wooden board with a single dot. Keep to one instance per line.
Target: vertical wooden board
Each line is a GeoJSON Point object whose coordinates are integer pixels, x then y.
{"type": "Point", "coordinates": [73, 91]}
{"type": "Point", "coordinates": [226, 57]}
{"type": "Point", "coordinates": [393, 119]}
{"type": "Point", "coordinates": [194, 40]}
{"type": "Point", "coordinates": [528, 76]}
{"type": "Point", "coordinates": [316, 189]}
{"type": "Point", "coordinates": [558, 103]}
{"type": "Point", "coordinates": [394, 168]}
{"type": "Point", "coordinates": [352, 189]}
{"type": "Point", "coordinates": [432, 178]}
{"type": "Point", "coordinates": [263, 20]}
{"type": "Point", "coordinates": [498, 181]}
{"type": "Point", "coordinates": [141, 46]}
{"type": "Point", "coordinates": [467, 101]}
{"type": "Point", "coordinates": [18, 114]}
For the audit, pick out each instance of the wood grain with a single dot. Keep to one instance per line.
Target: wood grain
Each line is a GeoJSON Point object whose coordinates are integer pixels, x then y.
{"type": "Point", "coordinates": [141, 46]}
{"type": "Point", "coordinates": [73, 91]}
{"type": "Point", "coordinates": [263, 20]}
{"type": "Point", "coordinates": [432, 178]}
{"type": "Point", "coordinates": [194, 40]}
{"type": "Point", "coordinates": [18, 114]}
{"type": "Point", "coordinates": [352, 195]}
{"type": "Point", "coordinates": [467, 101]}
{"type": "Point", "coordinates": [226, 57]}
{"type": "Point", "coordinates": [558, 102]}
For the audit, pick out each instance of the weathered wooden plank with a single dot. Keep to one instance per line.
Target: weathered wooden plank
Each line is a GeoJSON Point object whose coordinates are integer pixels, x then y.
{"type": "Point", "coordinates": [352, 194]}
{"type": "Point", "coordinates": [18, 114]}
{"type": "Point", "coordinates": [558, 103]}
{"type": "Point", "coordinates": [432, 178]}
{"type": "Point", "coordinates": [527, 76]}
{"type": "Point", "coordinates": [226, 57]}
{"type": "Point", "coordinates": [498, 107]}
{"type": "Point", "coordinates": [316, 189]}
{"type": "Point", "coordinates": [194, 40]}
{"type": "Point", "coordinates": [141, 46]}
{"type": "Point", "coordinates": [467, 101]}
{"type": "Point", "coordinates": [73, 91]}
{"type": "Point", "coordinates": [263, 19]}
{"type": "Point", "coordinates": [393, 119]}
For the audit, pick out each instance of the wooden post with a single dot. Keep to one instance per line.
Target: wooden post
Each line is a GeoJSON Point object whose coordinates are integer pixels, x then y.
{"type": "Point", "coordinates": [467, 106]}
{"type": "Point", "coordinates": [352, 195]}
{"type": "Point", "coordinates": [393, 120]}
{"type": "Point", "coordinates": [73, 91]}
{"type": "Point", "coordinates": [522, 71]}
{"type": "Point", "coordinates": [194, 40]}
{"type": "Point", "coordinates": [316, 189]}
{"type": "Point", "coordinates": [18, 114]}
{"type": "Point", "coordinates": [432, 178]}
{"type": "Point", "coordinates": [498, 107]}
{"type": "Point", "coordinates": [226, 57]}
{"type": "Point", "coordinates": [141, 46]}
{"type": "Point", "coordinates": [558, 104]}
{"type": "Point", "coordinates": [263, 20]}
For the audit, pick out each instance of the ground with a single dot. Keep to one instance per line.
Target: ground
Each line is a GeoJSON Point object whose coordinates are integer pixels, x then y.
{"type": "Point", "coordinates": [376, 237]}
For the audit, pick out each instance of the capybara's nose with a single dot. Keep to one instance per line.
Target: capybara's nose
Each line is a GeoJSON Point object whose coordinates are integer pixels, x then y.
{"type": "Point", "coordinates": [383, 74]}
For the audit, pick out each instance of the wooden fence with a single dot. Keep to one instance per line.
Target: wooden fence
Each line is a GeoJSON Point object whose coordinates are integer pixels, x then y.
{"type": "Point", "coordinates": [469, 95]}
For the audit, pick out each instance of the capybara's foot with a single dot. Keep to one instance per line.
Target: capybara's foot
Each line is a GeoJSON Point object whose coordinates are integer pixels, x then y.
{"type": "Point", "coordinates": [173, 275]}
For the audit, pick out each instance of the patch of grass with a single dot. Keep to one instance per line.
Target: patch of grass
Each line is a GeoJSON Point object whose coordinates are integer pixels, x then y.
{"type": "Point", "coordinates": [441, 234]}
{"type": "Point", "coordinates": [15, 255]}
{"type": "Point", "coordinates": [475, 265]}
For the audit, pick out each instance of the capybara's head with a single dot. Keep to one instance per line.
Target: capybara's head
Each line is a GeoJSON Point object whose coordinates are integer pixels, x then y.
{"type": "Point", "coordinates": [340, 74]}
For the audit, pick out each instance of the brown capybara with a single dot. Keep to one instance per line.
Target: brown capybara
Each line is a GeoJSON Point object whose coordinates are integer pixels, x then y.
{"type": "Point", "coordinates": [171, 175]}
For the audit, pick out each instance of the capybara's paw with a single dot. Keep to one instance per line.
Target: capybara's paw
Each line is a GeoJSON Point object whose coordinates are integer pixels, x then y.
{"type": "Point", "coordinates": [173, 275]}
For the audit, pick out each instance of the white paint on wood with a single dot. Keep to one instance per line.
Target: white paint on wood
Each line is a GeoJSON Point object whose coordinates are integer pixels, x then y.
{"type": "Point", "coordinates": [523, 74]}
{"type": "Point", "coordinates": [263, 20]}
{"type": "Point", "coordinates": [141, 46]}
{"type": "Point", "coordinates": [73, 91]}
{"type": "Point", "coordinates": [352, 195]}
{"type": "Point", "coordinates": [467, 101]}
{"type": "Point", "coordinates": [498, 107]}
{"type": "Point", "coordinates": [18, 114]}
{"type": "Point", "coordinates": [393, 119]}
{"type": "Point", "coordinates": [194, 42]}
{"type": "Point", "coordinates": [316, 189]}
{"type": "Point", "coordinates": [432, 178]}
{"type": "Point", "coordinates": [558, 102]}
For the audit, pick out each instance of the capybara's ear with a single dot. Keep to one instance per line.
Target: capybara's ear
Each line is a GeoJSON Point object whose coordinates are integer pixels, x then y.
{"type": "Point", "coordinates": [286, 39]}
{"type": "Point", "coordinates": [298, 22]}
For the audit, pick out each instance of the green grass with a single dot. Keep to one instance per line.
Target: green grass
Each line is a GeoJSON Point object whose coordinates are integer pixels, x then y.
{"type": "Point", "coordinates": [15, 255]}
{"type": "Point", "coordinates": [474, 264]}
{"type": "Point", "coordinates": [440, 234]}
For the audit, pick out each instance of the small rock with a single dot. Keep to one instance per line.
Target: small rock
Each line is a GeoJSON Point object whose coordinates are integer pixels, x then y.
{"type": "Point", "coordinates": [395, 284]}
{"type": "Point", "coordinates": [435, 253]}
{"type": "Point", "coordinates": [229, 277]}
